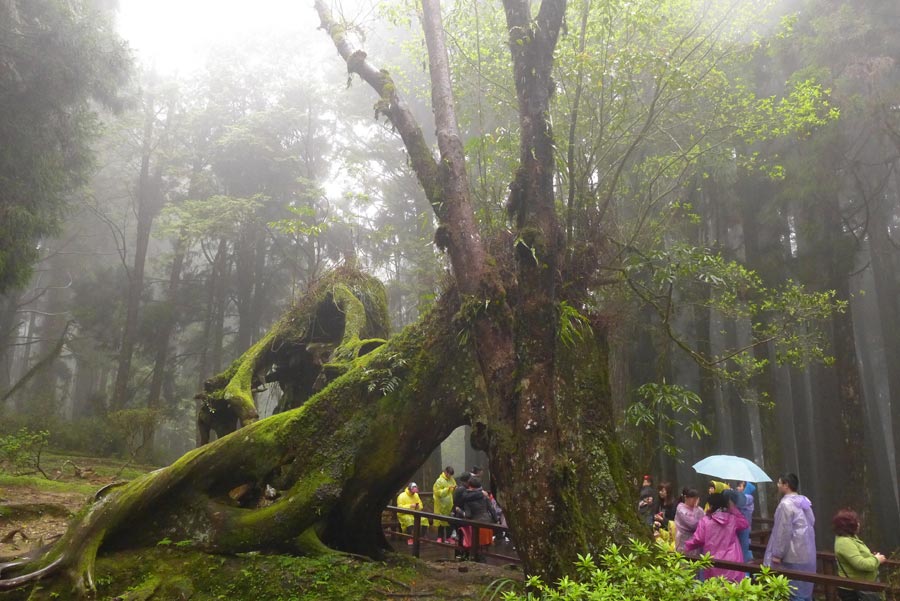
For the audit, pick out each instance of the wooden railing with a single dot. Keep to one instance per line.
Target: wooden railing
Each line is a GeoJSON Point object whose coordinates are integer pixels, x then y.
{"type": "Point", "coordinates": [828, 581]}
{"type": "Point", "coordinates": [476, 528]}
{"type": "Point", "coordinates": [826, 560]}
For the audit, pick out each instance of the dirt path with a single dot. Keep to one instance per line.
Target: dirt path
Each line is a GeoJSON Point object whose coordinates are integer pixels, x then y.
{"type": "Point", "coordinates": [30, 517]}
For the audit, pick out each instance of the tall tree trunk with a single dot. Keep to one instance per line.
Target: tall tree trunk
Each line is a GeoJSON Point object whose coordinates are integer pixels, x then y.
{"type": "Point", "coordinates": [245, 278]}
{"type": "Point", "coordinates": [213, 324]}
{"type": "Point", "coordinates": [884, 270]}
{"type": "Point", "coordinates": [765, 253]}
{"type": "Point", "coordinates": [839, 408]}
{"type": "Point", "coordinates": [147, 207]}
{"type": "Point", "coordinates": [9, 326]}
{"type": "Point", "coordinates": [164, 336]}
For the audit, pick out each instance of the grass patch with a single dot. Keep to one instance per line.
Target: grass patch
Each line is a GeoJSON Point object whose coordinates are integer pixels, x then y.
{"type": "Point", "coordinates": [41, 483]}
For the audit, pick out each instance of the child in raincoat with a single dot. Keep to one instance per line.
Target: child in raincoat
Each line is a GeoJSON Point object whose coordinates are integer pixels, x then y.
{"type": "Point", "coordinates": [716, 534]}
{"type": "Point", "coordinates": [409, 499]}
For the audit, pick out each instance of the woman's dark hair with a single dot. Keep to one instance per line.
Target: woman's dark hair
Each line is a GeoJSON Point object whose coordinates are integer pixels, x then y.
{"type": "Point", "coordinates": [670, 492]}
{"type": "Point", "coordinates": [464, 478]}
{"type": "Point", "coordinates": [688, 493]}
{"type": "Point", "coordinates": [474, 482]}
{"type": "Point", "coordinates": [791, 480]}
{"type": "Point", "coordinates": [716, 502]}
{"type": "Point", "coordinates": [845, 522]}
{"type": "Point", "coordinates": [449, 470]}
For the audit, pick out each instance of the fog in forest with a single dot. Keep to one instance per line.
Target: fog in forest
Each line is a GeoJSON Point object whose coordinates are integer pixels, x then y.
{"type": "Point", "coordinates": [726, 185]}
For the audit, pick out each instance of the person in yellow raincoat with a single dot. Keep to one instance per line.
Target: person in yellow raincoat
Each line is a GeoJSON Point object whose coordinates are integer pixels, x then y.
{"type": "Point", "coordinates": [714, 487]}
{"type": "Point", "coordinates": [443, 502]}
{"type": "Point", "coordinates": [409, 499]}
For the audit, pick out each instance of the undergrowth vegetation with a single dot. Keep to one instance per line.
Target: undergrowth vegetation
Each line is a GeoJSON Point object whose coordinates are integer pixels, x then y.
{"type": "Point", "coordinates": [642, 572]}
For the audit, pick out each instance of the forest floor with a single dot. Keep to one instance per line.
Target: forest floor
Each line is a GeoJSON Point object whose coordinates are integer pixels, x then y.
{"type": "Point", "coordinates": [35, 510]}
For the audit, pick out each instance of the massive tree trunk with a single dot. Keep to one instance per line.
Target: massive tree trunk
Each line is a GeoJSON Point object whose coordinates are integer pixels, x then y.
{"type": "Point", "coordinates": [546, 424]}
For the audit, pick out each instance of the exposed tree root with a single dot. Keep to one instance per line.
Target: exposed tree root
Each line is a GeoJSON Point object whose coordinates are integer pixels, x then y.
{"type": "Point", "coordinates": [336, 460]}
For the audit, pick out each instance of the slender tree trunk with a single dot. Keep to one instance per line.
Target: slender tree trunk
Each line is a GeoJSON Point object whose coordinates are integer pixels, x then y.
{"type": "Point", "coordinates": [884, 270]}
{"type": "Point", "coordinates": [9, 326]}
{"type": "Point", "coordinates": [839, 408]}
{"type": "Point", "coordinates": [164, 336]}
{"type": "Point", "coordinates": [148, 206]}
{"type": "Point", "coordinates": [244, 277]}
{"type": "Point", "coordinates": [765, 253]}
{"type": "Point", "coordinates": [213, 326]}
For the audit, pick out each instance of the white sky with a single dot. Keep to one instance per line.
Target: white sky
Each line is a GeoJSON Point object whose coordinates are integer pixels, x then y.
{"type": "Point", "coordinates": [174, 36]}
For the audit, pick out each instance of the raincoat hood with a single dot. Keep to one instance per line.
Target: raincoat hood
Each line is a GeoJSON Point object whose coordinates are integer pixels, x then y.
{"type": "Point", "coordinates": [721, 517]}
{"type": "Point", "coordinates": [802, 503]}
{"type": "Point", "coordinates": [750, 488]}
{"type": "Point", "coordinates": [719, 486]}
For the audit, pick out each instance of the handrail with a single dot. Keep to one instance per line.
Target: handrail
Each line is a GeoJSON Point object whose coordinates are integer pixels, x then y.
{"type": "Point", "coordinates": [828, 555]}
{"type": "Point", "coordinates": [816, 578]}
{"type": "Point", "coordinates": [475, 524]}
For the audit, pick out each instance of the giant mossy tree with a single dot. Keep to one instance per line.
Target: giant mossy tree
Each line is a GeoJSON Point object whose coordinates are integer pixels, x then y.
{"type": "Point", "coordinates": [516, 348]}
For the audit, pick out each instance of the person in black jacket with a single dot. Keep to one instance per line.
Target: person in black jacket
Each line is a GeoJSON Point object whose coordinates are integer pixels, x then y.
{"type": "Point", "coordinates": [462, 484]}
{"type": "Point", "coordinates": [476, 505]}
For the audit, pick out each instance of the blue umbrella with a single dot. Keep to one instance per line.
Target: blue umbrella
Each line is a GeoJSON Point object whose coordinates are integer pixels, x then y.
{"type": "Point", "coordinates": [730, 467]}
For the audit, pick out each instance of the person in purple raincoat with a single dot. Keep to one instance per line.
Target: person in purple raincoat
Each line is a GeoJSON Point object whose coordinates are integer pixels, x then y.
{"type": "Point", "coordinates": [716, 534]}
{"type": "Point", "coordinates": [792, 543]}
{"type": "Point", "coordinates": [687, 516]}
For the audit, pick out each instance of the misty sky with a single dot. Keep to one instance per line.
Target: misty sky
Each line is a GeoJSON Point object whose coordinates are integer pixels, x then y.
{"type": "Point", "coordinates": [175, 35]}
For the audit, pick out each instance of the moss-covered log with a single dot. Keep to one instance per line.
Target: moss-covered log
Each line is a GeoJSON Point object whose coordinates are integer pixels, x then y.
{"type": "Point", "coordinates": [336, 461]}
{"type": "Point", "coordinates": [341, 456]}
{"type": "Point", "coordinates": [343, 317]}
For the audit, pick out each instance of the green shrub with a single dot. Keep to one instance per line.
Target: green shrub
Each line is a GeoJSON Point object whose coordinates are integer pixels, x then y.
{"type": "Point", "coordinates": [20, 452]}
{"type": "Point", "coordinates": [96, 436]}
{"type": "Point", "coordinates": [646, 572]}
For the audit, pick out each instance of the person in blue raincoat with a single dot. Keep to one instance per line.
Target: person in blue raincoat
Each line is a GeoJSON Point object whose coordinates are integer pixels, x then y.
{"type": "Point", "coordinates": [792, 543]}
{"type": "Point", "coordinates": [743, 500]}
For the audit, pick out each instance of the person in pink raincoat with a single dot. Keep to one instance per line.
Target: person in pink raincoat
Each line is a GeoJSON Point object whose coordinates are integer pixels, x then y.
{"type": "Point", "coordinates": [716, 534]}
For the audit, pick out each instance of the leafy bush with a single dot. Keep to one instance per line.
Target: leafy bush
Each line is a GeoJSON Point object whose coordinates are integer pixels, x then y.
{"type": "Point", "coordinates": [20, 452]}
{"type": "Point", "coordinates": [646, 572]}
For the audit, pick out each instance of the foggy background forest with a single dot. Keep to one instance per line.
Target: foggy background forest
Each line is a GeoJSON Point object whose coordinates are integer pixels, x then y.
{"type": "Point", "coordinates": [204, 185]}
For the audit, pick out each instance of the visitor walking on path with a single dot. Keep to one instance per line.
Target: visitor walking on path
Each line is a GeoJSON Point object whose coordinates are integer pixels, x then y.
{"type": "Point", "coordinates": [716, 534]}
{"type": "Point", "coordinates": [443, 501]}
{"type": "Point", "coordinates": [792, 543]}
